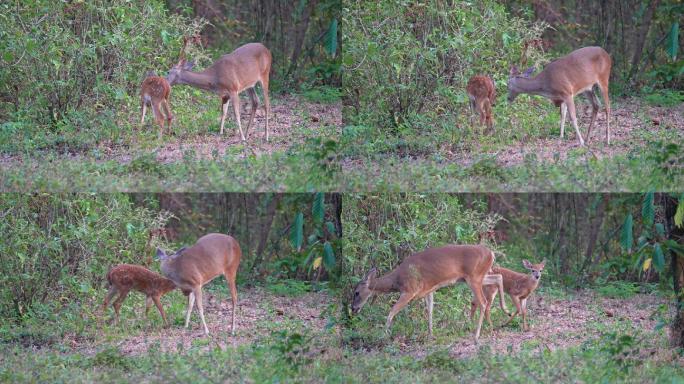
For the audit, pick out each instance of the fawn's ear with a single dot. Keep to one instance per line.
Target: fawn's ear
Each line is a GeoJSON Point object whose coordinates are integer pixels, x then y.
{"type": "Point", "coordinates": [542, 264]}
{"type": "Point", "coordinates": [527, 264]}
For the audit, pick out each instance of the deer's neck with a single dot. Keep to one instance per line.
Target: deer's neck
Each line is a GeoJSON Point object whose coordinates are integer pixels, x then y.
{"type": "Point", "coordinates": [534, 86]}
{"type": "Point", "coordinates": [204, 80]}
{"type": "Point", "coordinates": [384, 284]}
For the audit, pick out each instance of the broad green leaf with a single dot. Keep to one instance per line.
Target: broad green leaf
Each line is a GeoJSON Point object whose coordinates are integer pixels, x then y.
{"type": "Point", "coordinates": [626, 236]}
{"type": "Point", "coordinates": [328, 256]}
{"type": "Point", "coordinates": [658, 258]}
{"type": "Point", "coordinates": [318, 210]}
{"type": "Point", "coordinates": [673, 41]}
{"type": "Point", "coordinates": [679, 214]}
{"type": "Point", "coordinates": [675, 247]}
{"type": "Point", "coordinates": [331, 38]}
{"type": "Point", "coordinates": [297, 232]}
{"type": "Point", "coordinates": [647, 209]}
{"type": "Point", "coordinates": [647, 264]}
{"type": "Point", "coordinates": [317, 262]}
{"type": "Point", "coordinates": [331, 227]}
{"type": "Point", "coordinates": [660, 229]}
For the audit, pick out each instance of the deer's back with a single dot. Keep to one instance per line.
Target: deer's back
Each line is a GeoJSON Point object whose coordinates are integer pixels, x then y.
{"type": "Point", "coordinates": [445, 265]}
{"type": "Point", "coordinates": [155, 86]}
{"type": "Point", "coordinates": [580, 68]}
{"type": "Point", "coordinates": [243, 67]}
{"type": "Point", "coordinates": [209, 257]}
{"type": "Point", "coordinates": [136, 277]}
{"type": "Point", "coordinates": [481, 87]}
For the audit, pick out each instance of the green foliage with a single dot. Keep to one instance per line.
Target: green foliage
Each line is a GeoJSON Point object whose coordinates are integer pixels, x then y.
{"type": "Point", "coordinates": [626, 234]}
{"type": "Point", "coordinates": [401, 61]}
{"type": "Point", "coordinates": [61, 246]}
{"type": "Point", "coordinates": [673, 41]}
{"type": "Point", "coordinates": [665, 97]}
{"type": "Point", "coordinates": [62, 60]}
{"type": "Point", "coordinates": [297, 232]}
{"type": "Point", "coordinates": [647, 209]}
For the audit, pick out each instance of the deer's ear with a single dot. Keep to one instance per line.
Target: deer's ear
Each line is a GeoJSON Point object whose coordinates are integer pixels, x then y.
{"type": "Point", "coordinates": [527, 264]}
{"type": "Point", "coordinates": [188, 66]}
{"type": "Point", "coordinates": [370, 275]}
{"type": "Point", "coordinates": [514, 71]}
{"type": "Point", "coordinates": [160, 254]}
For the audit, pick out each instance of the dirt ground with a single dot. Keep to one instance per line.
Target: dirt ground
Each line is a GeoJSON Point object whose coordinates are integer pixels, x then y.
{"type": "Point", "coordinates": [560, 324]}
{"type": "Point", "coordinates": [292, 120]}
{"type": "Point", "coordinates": [627, 117]}
{"type": "Point", "coordinates": [554, 323]}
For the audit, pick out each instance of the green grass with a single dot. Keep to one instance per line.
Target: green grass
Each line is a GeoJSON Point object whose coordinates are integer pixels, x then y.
{"type": "Point", "coordinates": [64, 344]}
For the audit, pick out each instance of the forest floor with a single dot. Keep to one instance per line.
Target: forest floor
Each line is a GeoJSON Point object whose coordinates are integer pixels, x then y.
{"type": "Point", "coordinates": [259, 313]}
{"type": "Point", "coordinates": [630, 120]}
{"type": "Point", "coordinates": [561, 323]}
{"type": "Point", "coordinates": [291, 338]}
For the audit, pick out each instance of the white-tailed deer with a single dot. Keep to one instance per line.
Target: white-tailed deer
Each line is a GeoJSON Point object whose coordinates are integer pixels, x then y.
{"type": "Point", "coordinates": [519, 287]}
{"type": "Point", "coordinates": [124, 277]}
{"type": "Point", "coordinates": [566, 77]}
{"type": "Point", "coordinates": [190, 268]}
{"type": "Point", "coordinates": [230, 75]}
{"type": "Point", "coordinates": [482, 94]}
{"type": "Point", "coordinates": [155, 91]}
{"type": "Point", "coordinates": [422, 273]}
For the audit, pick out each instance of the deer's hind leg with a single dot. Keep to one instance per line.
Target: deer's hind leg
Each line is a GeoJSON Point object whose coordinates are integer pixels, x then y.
{"type": "Point", "coordinates": [255, 104]}
{"type": "Point", "coordinates": [591, 96]}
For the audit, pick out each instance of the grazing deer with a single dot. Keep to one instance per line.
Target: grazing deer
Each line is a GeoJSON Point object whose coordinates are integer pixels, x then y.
{"type": "Point", "coordinates": [124, 277]}
{"type": "Point", "coordinates": [190, 268]}
{"type": "Point", "coordinates": [482, 94]}
{"type": "Point", "coordinates": [155, 91]}
{"type": "Point", "coordinates": [422, 273]}
{"type": "Point", "coordinates": [566, 77]}
{"type": "Point", "coordinates": [230, 75]}
{"type": "Point", "coordinates": [518, 286]}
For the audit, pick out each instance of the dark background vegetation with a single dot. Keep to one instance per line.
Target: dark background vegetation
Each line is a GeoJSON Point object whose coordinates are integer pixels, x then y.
{"type": "Point", "coordinates": [58, 248]}
{"type": "Point", "coordinates": [70, 71]}
{"type": "Point", "coordinates": [618, 244]}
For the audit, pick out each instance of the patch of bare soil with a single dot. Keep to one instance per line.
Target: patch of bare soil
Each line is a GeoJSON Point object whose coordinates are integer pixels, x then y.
{"type": "Point", "coordinates": [259, 313]}
{"type": "Point", "coordinates": [627, 119]}
{"type": "Point", "coordinates": [560, 324]}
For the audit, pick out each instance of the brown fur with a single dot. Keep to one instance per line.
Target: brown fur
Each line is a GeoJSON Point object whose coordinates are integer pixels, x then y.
{"type": "Point", "coordinates": [482, 95]}
{"type": "Point", "coordinates": [422, 273]}
{"type": "Point", "coordinates": [124, 277]}
{"type": "Point", "coordinates": [212, 255]}
{"type": "Point", "coordinates": [518, 286]}
{"type": "Point", "coordinates": [155, 90]}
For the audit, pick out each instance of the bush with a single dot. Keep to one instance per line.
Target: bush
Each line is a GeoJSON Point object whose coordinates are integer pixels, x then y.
{"type": "Point", "coordinates": [58, 247]}
{"type": "Point", "coordinates": [405, 59]}
{"type": "Point", "coordinates": [62, 57]}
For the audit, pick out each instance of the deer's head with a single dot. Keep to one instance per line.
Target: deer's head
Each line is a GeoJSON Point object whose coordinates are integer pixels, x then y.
{"type": "Point", "coordinates": [176, 70]}
{"type": "Point", "coordinates": [513, 78]}
{"type": "Point", "coordinates": [362, 292]}
{"type": "Point", "coordinates": [163, 256]}
{"type": "Point", "coordinates": [536, 269]}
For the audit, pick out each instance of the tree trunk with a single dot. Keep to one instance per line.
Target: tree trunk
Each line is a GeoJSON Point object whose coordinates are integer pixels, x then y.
{"type": "Point", "coordinates": [642, 34]}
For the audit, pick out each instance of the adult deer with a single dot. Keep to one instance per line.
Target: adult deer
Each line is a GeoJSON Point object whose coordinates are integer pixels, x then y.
{"type": "Point", "coordinates": [155, 91]}
{"type": "Point", "coordinates": [518, 286]}
{"type": "Point", "coordinates": [482, 94]}
{"type": "Point", "coordinates": [191, 267]}
{"type": "Point", "coordinates": [566, 77]}
{"type": "Point", "coordinates": [123, 278]}
{"type": "Point", "coordinates": [422, 273]}
{"type": "Point", "coordinates": [230, 75]}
